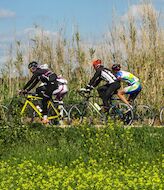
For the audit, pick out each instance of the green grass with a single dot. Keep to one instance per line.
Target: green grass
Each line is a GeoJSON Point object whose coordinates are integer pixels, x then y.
{"type": "Point", "coordinates": [83, 157]}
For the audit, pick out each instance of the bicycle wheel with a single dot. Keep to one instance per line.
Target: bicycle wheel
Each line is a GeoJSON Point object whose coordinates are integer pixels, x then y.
{"type": "Point", "coordinates": [58, 114]}
{"type": "Point", "coordinates": [52, 113]}
{"type": "Point", "coordinates": [143, 115]}
{"type": "Point", "coordinates": [94, 117]}
{"type": "Point", "coordinates": [161, 116]}
{"type": "Point", "coordinates": [14, 108]}
{"type": "Point", "coordinates": [65, 120]}
{"type": "Point", "coordinates": [3, 113]}
{"type": "Point", "coordinates": [121, 112]}
{"type": "Point", "coordinates": [75, 115]}
{"type": "Point", "coordinates": [29, 116]}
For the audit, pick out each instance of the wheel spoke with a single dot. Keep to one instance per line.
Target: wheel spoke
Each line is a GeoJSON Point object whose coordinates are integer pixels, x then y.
{"type": "Point", "coordinates": [121, 112]}
{"type": "Point", "coordinates": [143, 115]}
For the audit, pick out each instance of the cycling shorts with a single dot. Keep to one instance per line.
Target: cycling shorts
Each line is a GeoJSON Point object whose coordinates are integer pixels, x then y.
{"type": "Point", "coordinates": [133, 89]}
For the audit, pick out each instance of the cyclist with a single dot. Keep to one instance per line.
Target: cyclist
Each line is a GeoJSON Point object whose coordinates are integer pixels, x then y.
{"type": "Point", "coordinates": [62, 89]}
{"type": "Point", "coordinates": [134, 85]}
{"type": "Point", "coordinates": [112, 83]}
{"type": "Point", "coordinates": [49, 79]}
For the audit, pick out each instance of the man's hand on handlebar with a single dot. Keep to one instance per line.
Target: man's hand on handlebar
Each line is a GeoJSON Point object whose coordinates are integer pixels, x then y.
{"type": "Point", "coordinates": [85, 90]}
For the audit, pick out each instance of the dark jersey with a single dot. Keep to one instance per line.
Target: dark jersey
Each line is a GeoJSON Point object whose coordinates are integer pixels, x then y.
{"type": "Point", "coordinates": [43, 75]}
{"type": "Point", "coordinates": [102, 73]}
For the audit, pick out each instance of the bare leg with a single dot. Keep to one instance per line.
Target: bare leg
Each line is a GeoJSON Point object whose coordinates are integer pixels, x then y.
{"type": "Point", "coordinates": [120, 94]}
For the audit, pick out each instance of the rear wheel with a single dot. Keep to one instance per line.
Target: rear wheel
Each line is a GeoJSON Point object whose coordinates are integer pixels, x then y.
{"type": "Point", "coordinates": [65, 115]}
{"type": "Point", "coordinates": [161, 116]}
{"type": "Point", "coordinates": [143, 115]}
{"type": "Point", "coordinates": [53, 113]}
{"type": "Point", "coordinates": [75, 115]}
{"type": "Point", "coordinates": [121, 112]}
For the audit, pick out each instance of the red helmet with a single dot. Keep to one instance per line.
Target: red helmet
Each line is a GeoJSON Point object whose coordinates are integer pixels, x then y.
{"type": "Point", "coordinates": [96, 63]}
{"type": "Point", "coordinates": [116, 67]}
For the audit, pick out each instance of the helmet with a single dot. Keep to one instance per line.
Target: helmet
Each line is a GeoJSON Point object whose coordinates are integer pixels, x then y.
{"type": "Point", "coordinates": [116, 67]}
{"type": "Point", "coordinates": [96, 63]}
{"type": "Point", "coordinates": [33, 64]}
{"type": "Point", "coordinates": [44, 66]}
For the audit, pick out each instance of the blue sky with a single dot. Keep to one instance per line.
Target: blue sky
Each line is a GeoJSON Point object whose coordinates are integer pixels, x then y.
{"type": "Point", "coordinates": [93, 17]}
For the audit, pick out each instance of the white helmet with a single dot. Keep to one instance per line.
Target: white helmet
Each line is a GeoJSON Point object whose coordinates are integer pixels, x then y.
{"type": "Point", "coordinates": [44, 66]}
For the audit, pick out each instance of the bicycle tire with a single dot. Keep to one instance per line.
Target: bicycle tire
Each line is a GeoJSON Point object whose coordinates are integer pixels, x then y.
{"type": "Point", "coordinates": [121, 112]}
{"type": "Point", "coordinates": [94, 117]}
{"type": "Point", "coordinates": [143, 115]}
{"type": "Point", "coordinates": [3, 113]}
{"type": "Point", "coordinates": [75, 115]}
{"type": "Point", "coordinates": [14, 108]}
{"type": "Point", "coordinates": [29, 116]}
{"type": "Point", "coordinates": [161, 116]}
{"type": "Point", "coordinates": [61, 120]}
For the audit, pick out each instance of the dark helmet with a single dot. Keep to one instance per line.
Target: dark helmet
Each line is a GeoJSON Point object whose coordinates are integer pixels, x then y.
{"type": "Point", "coordinates": [33, 64]}
{"type": "Point", "coordinates": [116, 67]}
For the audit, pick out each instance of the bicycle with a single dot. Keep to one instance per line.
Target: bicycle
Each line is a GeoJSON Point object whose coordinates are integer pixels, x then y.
{"type": "Point", "coordinates": [161, 116]}
{"type": "Point", "coordinates": [120, 111]}
{"type": "Point", "coordinates": [31, 110]}
{"type": "Point", "coordinates": [86, 111]}
{"type": "Point", "coordinates": [91, 112]}
{"type": "Point", "coordinates": [143, 114]}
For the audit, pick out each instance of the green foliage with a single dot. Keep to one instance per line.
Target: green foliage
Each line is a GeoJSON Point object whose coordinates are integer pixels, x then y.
{"type": "Point", "coordinates": [83, 157]}
{"type": "Point", "coordinates": [68, 144]}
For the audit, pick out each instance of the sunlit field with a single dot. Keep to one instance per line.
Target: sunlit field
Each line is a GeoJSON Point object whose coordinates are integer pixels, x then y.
{"type": "Point", "coordinates": [112, 157]}
{"type": "Point", "coordinates": [82, 157]}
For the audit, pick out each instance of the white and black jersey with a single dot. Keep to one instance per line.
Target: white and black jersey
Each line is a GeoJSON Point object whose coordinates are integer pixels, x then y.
{"type": "Point", "coordinates": [102, 73]}
{"type": "Point", "coordinates": [43, 75]}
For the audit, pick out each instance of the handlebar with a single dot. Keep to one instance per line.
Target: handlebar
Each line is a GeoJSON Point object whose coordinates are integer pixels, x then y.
{"type": "Point", "coordinates": [84, 93]}
{"type": "Point", "coordinates": [28, 93]}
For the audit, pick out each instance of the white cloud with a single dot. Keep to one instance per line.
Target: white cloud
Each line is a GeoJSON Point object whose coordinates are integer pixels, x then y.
{"type": "Point", "coordinates": [38, 31]}
{"type": "Point", "coordinates": [136, 11]}
{"type": "Point", "coordinates": [6, 13]}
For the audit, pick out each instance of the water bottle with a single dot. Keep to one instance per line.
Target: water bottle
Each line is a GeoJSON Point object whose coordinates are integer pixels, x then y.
{"type": "Point", "coordinates": [97, 106]}
{"type": "Point", "coordinates": [39, 108]}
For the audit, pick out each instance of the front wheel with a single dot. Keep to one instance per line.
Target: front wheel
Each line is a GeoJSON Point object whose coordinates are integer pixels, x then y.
{"type": "Point", "coordinates": [161, 116]}
{"type": "Point", "coordinates": [143, 115]}
{"type": "Point", "coordinates": [94, 117]}
{"type": "Point", "coordinates": [75, 115]}
{"type": "Point", "coordinates": [29, 116]}
{"type": "Point", "coordinates": [121, 112]}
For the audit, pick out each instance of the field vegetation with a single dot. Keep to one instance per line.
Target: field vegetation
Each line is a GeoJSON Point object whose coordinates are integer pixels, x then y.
{"type": "Point", "coordinates": [82, 157]}
{"type": "Point", "coordinates": [85, 157]}
{"type": "Point", "coordinates": [137, 44]}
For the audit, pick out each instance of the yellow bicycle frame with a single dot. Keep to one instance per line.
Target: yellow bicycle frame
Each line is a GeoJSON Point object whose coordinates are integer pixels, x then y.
{"type": "Point", "coordinates": [29, 102]}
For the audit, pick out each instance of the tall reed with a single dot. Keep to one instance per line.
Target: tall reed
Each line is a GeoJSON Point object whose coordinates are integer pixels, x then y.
{"type": "Point", "coordinates": [138, 45]}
